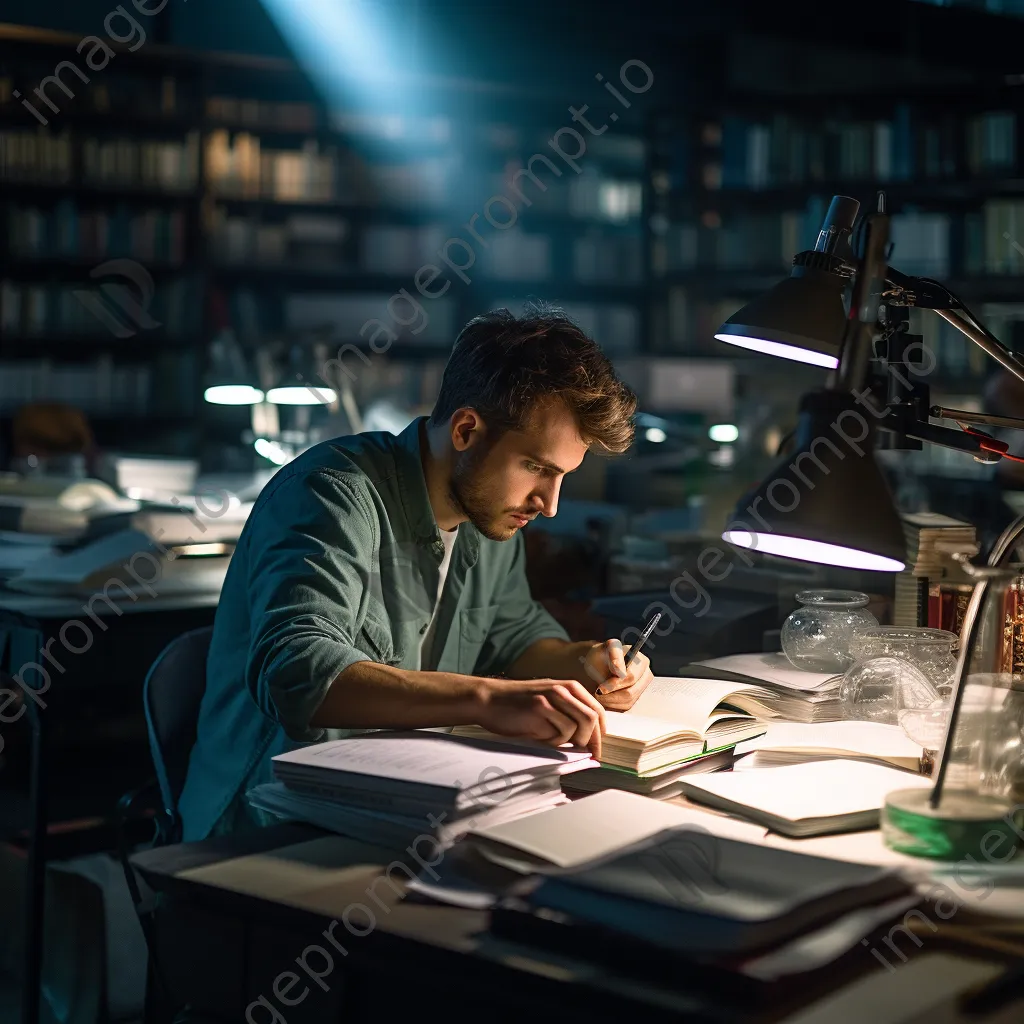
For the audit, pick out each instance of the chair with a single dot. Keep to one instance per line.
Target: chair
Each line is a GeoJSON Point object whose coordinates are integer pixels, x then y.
{"type": "Point", "coordinates": [171, 696]}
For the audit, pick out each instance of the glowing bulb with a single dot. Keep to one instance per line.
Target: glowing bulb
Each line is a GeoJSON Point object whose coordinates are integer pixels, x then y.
{"type": "Point", "coordinates": [301, 394]}
{"type": "Point", "coordinates": [233, 394]}
{"type": "Point", "coordinates": [817, 551]}
{"type": "Point", "coordinates": [271, 450]}
{"type": "Point", "coordinates": [776, 348]}
{"type": "Point", "coordinates": [724, 433]}
{"type": "Point", "coordinates": [655, 434]}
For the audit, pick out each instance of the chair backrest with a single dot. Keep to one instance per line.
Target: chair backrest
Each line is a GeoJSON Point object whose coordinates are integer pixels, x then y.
{"type": "Point", "coordinates": [172, 694]}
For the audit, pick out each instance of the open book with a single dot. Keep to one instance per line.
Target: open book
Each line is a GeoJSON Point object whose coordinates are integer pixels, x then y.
{"type": "Point", "coordinates": [674, 720]}
{"type": "Point", "coordinates": [792, 743]}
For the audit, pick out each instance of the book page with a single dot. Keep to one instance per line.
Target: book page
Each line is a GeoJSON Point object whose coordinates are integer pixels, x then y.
{"type": "Point", "coordinates": [687, 703]}
{"type": "Point", "coordinates": [870, 739]}
{"type": "Point", "coordinates": [775, 670]}
{"type": "Point", "coordinates": [596, 825]}
{"type": "Point", "coordinates": [644, 729]}
{"type": "Point", "coordinates": [430, 758]}
{"type": "Point", "coordinates": [818, 789]}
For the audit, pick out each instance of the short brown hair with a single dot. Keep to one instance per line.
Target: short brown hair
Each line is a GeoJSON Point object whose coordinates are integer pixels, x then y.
{"type": "Point", "coordinates": [502, 364]}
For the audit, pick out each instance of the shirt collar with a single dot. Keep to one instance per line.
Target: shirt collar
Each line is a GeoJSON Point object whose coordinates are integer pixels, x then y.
{"type": "Point", "coordinates": [413, 488]}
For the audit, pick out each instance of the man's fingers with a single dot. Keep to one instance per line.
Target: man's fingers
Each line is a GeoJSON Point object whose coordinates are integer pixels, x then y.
{"type": "Point", "coordinates": [564, 725]}
{"type": "Point", "coordinates": [588, 718]}
{"type": "Point", "coordinates": [616, 657]}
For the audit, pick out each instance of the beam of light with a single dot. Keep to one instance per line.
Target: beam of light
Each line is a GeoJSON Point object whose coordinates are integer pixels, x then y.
{"type": "Point", "coordinates": [804, 550]}
{"type": "Point", "coordinates": [233, 394]}
{"type": "Point", "coordinates": [354, 50]}
{"type": "Point", "coordinates": [724, 433]}
{"type": "Point", "coordinates": [777, 348]}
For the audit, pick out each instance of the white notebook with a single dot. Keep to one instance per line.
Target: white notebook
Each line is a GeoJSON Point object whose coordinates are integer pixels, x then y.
{"type": "Point", "coordinates": [594, 826]}
{"type": "Point", "coordinates": [808, 799]}
{"type": "Point", "coordinates": [794, 742]}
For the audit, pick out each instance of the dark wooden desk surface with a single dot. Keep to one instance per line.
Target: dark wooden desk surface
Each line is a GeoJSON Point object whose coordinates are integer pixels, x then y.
{"type": "Point", "coordinates": [237, 915]}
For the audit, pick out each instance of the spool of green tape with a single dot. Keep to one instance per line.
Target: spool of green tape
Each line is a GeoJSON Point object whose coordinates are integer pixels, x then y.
{"type": "Point", "coordinates": [951, 831]}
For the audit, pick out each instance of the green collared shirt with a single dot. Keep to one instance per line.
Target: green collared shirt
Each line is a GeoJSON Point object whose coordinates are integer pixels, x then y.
{"type": "Point", "coordinates": [339, 563]}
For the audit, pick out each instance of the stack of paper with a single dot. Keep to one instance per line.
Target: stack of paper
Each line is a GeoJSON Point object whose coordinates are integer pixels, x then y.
{"type": "Point", "coordinates": [931, 540]}
{"type": "Point", "coordinates": [792, 743]}
{"type": "Point", "coordinates": [809, 799]}
{"type": "Point", "coordinates": [774, 688]}
{"type": "Point", "coordinates": [395, 787]}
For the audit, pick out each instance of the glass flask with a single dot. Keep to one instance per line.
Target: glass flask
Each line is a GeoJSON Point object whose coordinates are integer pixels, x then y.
{"type": "Point", "coordinates": [816, 637]}
{"type": "Point", "coordinates": [879, 689]}
{"type": "Point", "coordinates": [931, 651]}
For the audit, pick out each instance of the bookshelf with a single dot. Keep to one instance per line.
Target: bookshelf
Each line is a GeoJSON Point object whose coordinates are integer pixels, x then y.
{"type": "Point", "coordinates": [738, 188]}
{"type": "Point", "coordinates": [249, 201]}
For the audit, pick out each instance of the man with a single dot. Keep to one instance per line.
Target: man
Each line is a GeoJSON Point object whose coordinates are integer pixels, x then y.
{"type": "Point", "coordinates": [379, 582]}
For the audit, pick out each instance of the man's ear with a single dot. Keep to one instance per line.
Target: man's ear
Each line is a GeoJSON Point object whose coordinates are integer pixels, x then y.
{"type": "Point", "coordinates": [467, 429]}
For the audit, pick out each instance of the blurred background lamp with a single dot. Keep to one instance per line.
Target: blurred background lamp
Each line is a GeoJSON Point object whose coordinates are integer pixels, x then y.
{"type": "Point", "coordinates": [233, 394]}
{"type": "Point", "coordinates": [655, 434]}
{"type": "Point", "coordinates": [724, 433]}
{"type": "Point", "coordinates": [301, 394]}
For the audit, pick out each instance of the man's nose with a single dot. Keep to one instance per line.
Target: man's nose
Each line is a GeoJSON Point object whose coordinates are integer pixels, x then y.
{"type": "Point", "coordinates": [548, 499]}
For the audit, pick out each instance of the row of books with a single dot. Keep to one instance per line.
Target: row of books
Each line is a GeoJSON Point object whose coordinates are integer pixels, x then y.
{"type": "Point", "coordinates": [301, 240]}
{"type": "Point", "coordinates": [43, 310]}
{"type": "Point", "coordinates": [99, 388]}
{"type": "Point", "coordinates": [789, 151]}
{"type": "Point", "coordinates": [923, 243]}
{"type": "Point", "coordinates": [139, 95]}
{"type": "Point", "coordinates": [66, 230]}
{"type": "Point", "coordinates": [36, 155]}
{"type": "Point", "coordinates": [173, 166]}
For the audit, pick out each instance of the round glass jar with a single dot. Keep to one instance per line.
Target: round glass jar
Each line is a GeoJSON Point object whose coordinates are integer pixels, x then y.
{"type": "Point", "coordinates": [816, 637]}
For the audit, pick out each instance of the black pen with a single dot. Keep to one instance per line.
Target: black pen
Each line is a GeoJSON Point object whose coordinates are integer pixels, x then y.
{"type": "Point", "coordinates": [644, 637]}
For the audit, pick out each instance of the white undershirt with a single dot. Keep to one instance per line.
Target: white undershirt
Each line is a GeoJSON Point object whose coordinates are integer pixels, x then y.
{"type": "Point", "coordinates": [448, 539]}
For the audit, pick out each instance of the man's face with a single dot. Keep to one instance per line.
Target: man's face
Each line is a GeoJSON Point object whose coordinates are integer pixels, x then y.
{"type": "Point", "coordinates": [500, 486]}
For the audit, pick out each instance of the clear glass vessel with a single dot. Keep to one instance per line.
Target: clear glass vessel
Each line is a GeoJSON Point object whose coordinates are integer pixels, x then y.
{"type": "Point", "coordinates": [816, 637]}
{"type": "Point", "coordinates": [881, 689]}
{"type": "Point", "coordinates": [932, 651]}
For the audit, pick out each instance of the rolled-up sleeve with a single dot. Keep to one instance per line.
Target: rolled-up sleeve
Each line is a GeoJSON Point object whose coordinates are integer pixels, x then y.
{"type": "Point", "coordinates": [310, 560]}
{"type": "Point", "coordinates": [519, 620]}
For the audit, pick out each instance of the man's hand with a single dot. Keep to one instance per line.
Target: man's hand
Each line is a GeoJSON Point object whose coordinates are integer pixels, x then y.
{"type": "Point", "coordinates": [616, 686]}
{"type": "Point", "coordinates": [553, 711]}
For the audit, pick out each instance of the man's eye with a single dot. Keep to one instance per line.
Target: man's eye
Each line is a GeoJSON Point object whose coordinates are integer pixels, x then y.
{"type": "Point", "coordinates": [534, 468]}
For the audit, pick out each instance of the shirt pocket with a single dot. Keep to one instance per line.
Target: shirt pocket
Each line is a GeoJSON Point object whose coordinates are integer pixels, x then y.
{"type": "Point", "coordinates": [474, 627]}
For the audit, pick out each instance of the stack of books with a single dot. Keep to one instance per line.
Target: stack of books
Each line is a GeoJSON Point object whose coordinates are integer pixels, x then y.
{"type": "Point", "coordinates": [931, 539]}
{"type": "Point", "coordinates": [773, 688]}
{"type": "Point", "coordinates": [400, 788]}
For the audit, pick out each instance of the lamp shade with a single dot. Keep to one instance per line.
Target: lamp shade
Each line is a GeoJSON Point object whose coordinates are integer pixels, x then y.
{"type": "Point", "coordinates": [801, 318]}
{"type": "Point", "coordinates": [827, 503]}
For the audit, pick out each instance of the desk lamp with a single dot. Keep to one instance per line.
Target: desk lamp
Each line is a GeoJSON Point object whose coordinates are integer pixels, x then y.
{"type": "Point", "coordinates": [844, 514]}
{"type": "Point", "coordinates": [848, 310]}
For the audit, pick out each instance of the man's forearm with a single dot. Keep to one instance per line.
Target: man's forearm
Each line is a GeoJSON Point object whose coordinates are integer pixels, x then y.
{"type": "Point", "coordinates": [371, 696]}
{"type": "Point", "coordinates": [552, 658]}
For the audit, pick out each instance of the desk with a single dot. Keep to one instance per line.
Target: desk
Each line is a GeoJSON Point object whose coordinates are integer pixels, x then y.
{"type": "Point", "coordinates": [237, 913]}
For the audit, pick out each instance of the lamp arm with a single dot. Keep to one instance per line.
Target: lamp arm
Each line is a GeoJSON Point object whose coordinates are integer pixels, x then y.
{"type": "Point", "coordinates": [985, 341]}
